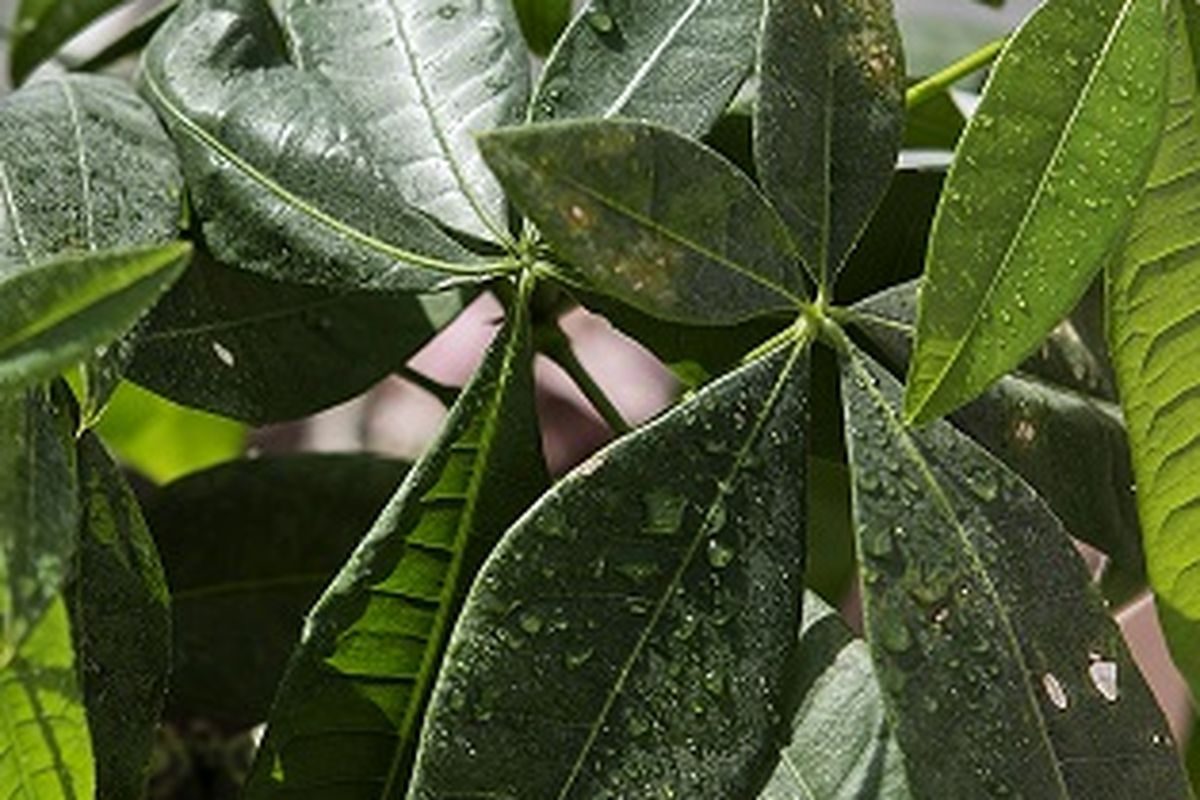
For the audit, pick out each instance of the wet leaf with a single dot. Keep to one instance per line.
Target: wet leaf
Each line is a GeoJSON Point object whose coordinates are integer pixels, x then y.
{"type": "Point", "coordinates": [628, 637]}
{"type": "Point", "coordinates": [1039, 193]}
{"type": "Point", "coordinates": [647, 216]}
{"type": "Point", "coordinates": [350, 705]}
{"type": "Point", "coordinates": [829, 118]}
{"type": "Point", "coordinates": [994, 690]}
{"type": "Point", "coordinates": [542, 21]}
{"type": "Point", "coordinates": [41, 27]}
{"type": "Point", "coordinates": [131, 41]}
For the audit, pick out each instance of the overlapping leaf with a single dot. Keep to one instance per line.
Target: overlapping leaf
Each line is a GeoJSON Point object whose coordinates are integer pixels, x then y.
{"type": "Point", "coordinates": [628, 637]}
{"type": "Point", "coordinates": [41, 27]}
{"type": "Point", "coordinates": [542, 21]}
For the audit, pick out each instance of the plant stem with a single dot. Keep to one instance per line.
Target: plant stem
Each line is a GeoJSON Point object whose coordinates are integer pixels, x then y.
{"type": "Point", "coordinates": [924, 91]}
{"type": "Point", "coordinates": [554, 343]}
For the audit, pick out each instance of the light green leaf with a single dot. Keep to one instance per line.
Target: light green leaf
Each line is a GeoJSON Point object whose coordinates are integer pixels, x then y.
{"type": "Point", "coordinates": [650, 217]}
{"type": "Point", "coordinates": [45, 751]}
{"type": "Point", "coordinates": [828, 121]}
{"type": "Point", "coordinates": [628, 637]}
{"type": "Point", "coordinates": [349, 708]}
{"type": "Point", "coordinates": [41, 27]}
{"type": "Point", "coordinates": [1040, 191]}
{"type": "Point", "coordinates": [1002, 669]}
{"type": "Point", "coordinates": [674, 62]}
{"type": "Point", "coordinates": [121, 619]}
{"type": "Point", "coordinates": [542, 21]}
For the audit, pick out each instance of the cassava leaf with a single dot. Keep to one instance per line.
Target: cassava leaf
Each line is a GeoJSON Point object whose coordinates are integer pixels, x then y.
{"type": "Point", "coordinates": [542, 21]}
{"type": "Point", "coordinates": [1002, 669]}
{"type": "Point", "coordinates": [1039, 193]}
{"type": "Point", "coordinates": [134, 38]}
{"type": "Point", "coordinates": [41, 27]}
{"type": "Point", "coordinates": [828, 121]}
{"type": "Point", "coordinates": [349, 707]}
{"type": "Point", "coordinates": [628, 637]}
{"type": "Point", "coordinates": [650, 217]}
{"type": "Point", "coordinates": [936, 124]}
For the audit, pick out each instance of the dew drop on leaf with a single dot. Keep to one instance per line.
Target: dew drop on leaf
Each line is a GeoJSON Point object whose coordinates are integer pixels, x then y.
{"type": "Point", "coordinates": [1104, 677]}
{"type": "Point", "coordinates": [1055, 691]}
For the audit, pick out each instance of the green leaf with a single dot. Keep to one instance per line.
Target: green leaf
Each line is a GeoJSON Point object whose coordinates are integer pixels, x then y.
{"type": "Point", "coordinates": [1003, 671]}
{"type": "Point", "coordinates": [936, 124]}
{"type": "Point", "coordinates": [45, 751]}
{"type": "Point", "coordinates": [281, 173]}
{"type": "Point", "coordinates": [131, 41]}
{"type": "Point", "coordinates": [628, 637]}
{"type": "Point", "coordinates": [120, 614]}
{"type": "Point", "coordinates": [1039, 193]}
{"type": "Point", "coordinates": [1155, 336]}
{"type": "Point", "coordinates": [259, 350]}
{"type": "Point", "coordinates": [248, 546]}
{"type": "Point", "coordinates": [542, 22]}
{"type": "Point", "coordinates": [841, 747]}
{"type": "Point", "coordinates": [59, 312]}
{"type": "Point", "coordinates": [829, 119]}
{"type": "Point", "coordinates": [41, 27]}
{"type": "Point", "coordinates": [350, 705]}
{"type": "Point", "coordinates": [39, 511]}
{"type": "Point", "coordinates": [675, 62]}
{"type": "Point", "coordinates": [652, 218]}
{"type": "Point", "coordinates": [830, 561]}
{"type": "Point", "coordinates": [440, 73]}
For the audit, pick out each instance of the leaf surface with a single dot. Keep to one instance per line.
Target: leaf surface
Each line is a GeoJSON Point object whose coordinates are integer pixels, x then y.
{"type": "Point", "coordinates": [1039, 193]}
{"type": "Point", "coordinates": [41, 27]}
{"type": "Point", "coordinates": [628, 637]}
{"type": "Point", "coordinates": [542, 21]}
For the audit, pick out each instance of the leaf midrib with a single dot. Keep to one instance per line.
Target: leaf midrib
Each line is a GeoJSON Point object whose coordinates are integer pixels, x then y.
{"type": "Point", "coordinates": [651, 61]}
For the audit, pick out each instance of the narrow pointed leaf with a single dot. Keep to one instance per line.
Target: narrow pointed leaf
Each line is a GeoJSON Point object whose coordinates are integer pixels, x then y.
{"type": "Point", "coordinates": [650, 217]}
{"type": "Point", "coordinates": [1040, 191]}
{"type": "Point", "coordinates": [121, 619]}
{"type": "Point", "coordinates": [628, 638]}
{"type": "Point", "coordinates": [674, 62]}
{"type": "Point", "coordinates": [1155, 338]}
{"type": "Point", "coordinates": [423, 78]}
{"type": "Point", "coordinates": [41, 27]}
{"type": "Point", "coordinates": [45, 751]}
{"type": "Point", "coordinates": [131, 41]}
{"type": "Point", "coordinates": [284, 180]}
{"type": "Point", "coordinates": [350, 705]}
{"type": "Point", "coordinates": [829, 119]}
{"type": "Point", "coordinates": [542, 21]}
{"type": "Point", "coordinates": [1002, 669]}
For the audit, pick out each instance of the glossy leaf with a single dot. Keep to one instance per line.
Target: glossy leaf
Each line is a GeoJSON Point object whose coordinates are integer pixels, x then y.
{"type": "Point", "coordinates": [44, 745]}
{"type": "Point", "coordinates": [121, 618]}
{"type": "Point", "coordinates": [652, 218]}
{"type": "Point", "coordinates": [41, 27]}
{"type": "Point", "coordinates": [423, 79]}
{"type": "Point", "coordinates": [131, 41]}
{"type": "Point", "coordinates": [674, 62]}
{"type": "Point", "coordinates": [248, 546]}
{"type": "Point", "coordinates": [828, 121]}
{"type": "Point", "coordinates": [281, 174]}
{"type": "Point", "coordinates": [628, 637]}
{"type": "Point", "coordinates": [1155, 336]}
{"type": "Point", "coordinates": [259, 350]}
{"type": "Point", "coordinates": [1040, 191]}
{"type": "Point", "coordinates": [349, 708]}
{"type": "Point", "coordinates": [936, 124]}
{"type": "Point", "coordinates": [542, 21]}
{"type": "Point", "coordinates": [1002, 668]}
{"type": "Point", "coordinates": [841, 747]}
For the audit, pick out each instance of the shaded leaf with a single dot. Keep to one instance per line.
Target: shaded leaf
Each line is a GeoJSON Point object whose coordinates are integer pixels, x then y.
{"type": "Point", "coordinates": [994, 689]}
{"type": "Point", "coordinates": [131, 41]}
{"type": "Point", "coordinates": [41, 27]}
{"type": "Point", "coordinates": [830, 558]}
{"type": "Point", "coordinates": [628, 637]}
{"type": "Point", "coordinates": [936, 124]}
{"type": "Point", "coordinates": [1039, 192]}
{"type": "Point", "coordinates": [542, 21]}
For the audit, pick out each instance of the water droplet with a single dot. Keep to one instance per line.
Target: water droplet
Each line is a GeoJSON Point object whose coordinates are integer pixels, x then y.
{"type": "Point", "coordinates": [714, 681]}
{"type": "Point", "coordinates": [983, 484]}
{"type": "Point", "coordinates": [531, 623]}
{"type": "Point", "coordinates": [638, 571]}
{"type": "Point", "coordinates": [687, 626]}
{"type": "Point", "coordinates": [719, 555]}
{"type": "Point", "coordinates": [447, 11]}
{"type": "Point", "coordinates": [1055, 691]}
{"type": "Point", "coordinates": [894, 633]}
{"type": "Point", "coordinates": [664, 512]}
{"type": "Point", "coordinates": [224, 355]}
{"type": "Point", "coordinates": [1024, 432]}
{"type": "Point", "coordinates": [877, 541]}
{"type": "Point", "coordinates": [574, 659]}
{"type": "Point", "coordinates": [600, 21]}
{"type": "Point", "coordinates": [1104, 678]}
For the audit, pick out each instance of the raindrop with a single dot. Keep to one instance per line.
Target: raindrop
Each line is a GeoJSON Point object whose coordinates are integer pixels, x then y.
{"type": "Point", "coordinates": [574, 659]}
{"type": "Point", "coordinates": [224, 355]}
{"type": "Point", "coordinates": [983, 484]}
{"type": "Point", "coordinates": [664, 512]}
{"type": "Point", "coordinates": [448, 11]}
{"type": "Point", "coordinates": [531, 623]}
{"type": "Point", "coordinates": [1104, 678]}
{"type": "Point", "coordinates": [638, 571]}
{"type": "Point", "coordinates": [600, 21]}
{"type": "Point", "coordinates": [1055, 691]}
{"type": "Point", "coordinates": [719, 555]}
{"type": "Point", "coordinates": [894, 634]}
{"type": "Point", "coordinates": [877, 542]}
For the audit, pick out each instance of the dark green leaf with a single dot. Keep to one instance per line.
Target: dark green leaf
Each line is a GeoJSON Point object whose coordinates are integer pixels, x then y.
{"type": "Point", "coordinates": [830, 568]}
{"type": "Point", "coordinates": [628, 637]}
{"type": "Point", "coordinates": [350, 705]}
{"type": "Point", "coordinates": [1039, 193]}
{"type": "Point", "coordinates": [675, 62]}
{"type": "Point", "coordinates": [936, 124]}
{"type": "Point", "coordinates": [828, 121]}
{"type": "Point", "coordinates": [131, 41]}
{"type": "Point", "coordinates": [542, 22]}
{"type": "Point", "coordinates": [43, 26]}
{"type": "Point", "coordinates": [248, 546]}
{"type": "Point", "coordinates": [121, 618]}
{"type": "Point", "coordinates": [258, 350]}
{"type": "Point", "coordinates": [1003, 671]}
{"type": "Point", "coordinates": [652, 218]}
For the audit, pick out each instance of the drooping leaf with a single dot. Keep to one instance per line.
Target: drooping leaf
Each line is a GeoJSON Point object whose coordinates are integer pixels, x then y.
{"type": "Point", "coordinates": [936, 124]}
{"type": "Point", "coordinates": [674, 62]}
{"type": "Point", "coordinates": [422, 78]}
{"type": "Point", "coordinates": [121, 619]}
{"type": "Point", "coordinates": [841, 747]}
{"type": "Point", "coordinates": [247, 547]}
{"type": "Point", "coordinates": [349, 707]}
{"type": "Point", "coordinates": [45, 751]}
{"type": "Point", "coordinates": [282, 175]}
{"type": "Point", "coordinates": [828, 121]}
{"type": "Point", "coordinates": [1039, 193]}
{"type": "Point", "coordinates": [41, 27]}
{"type": "Point", "coordinates": [39, 510]}
{"type": "Point", "coordinates": [542, 22]}
{"type": "Point", "coordinates": [650, 217]}
{"type": "Point", "coordinates": [1155, 337]}
{"type": "Point", "coordinates": [259, 350]}
{"type": "Point", "coordinates": [628, 637]}
{"type": "Point", "coordinates": [1002, 669]}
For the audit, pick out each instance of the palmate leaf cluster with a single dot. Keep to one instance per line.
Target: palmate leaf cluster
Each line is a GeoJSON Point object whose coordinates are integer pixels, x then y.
{"type": "Point", "coordinates": [295, 196]}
